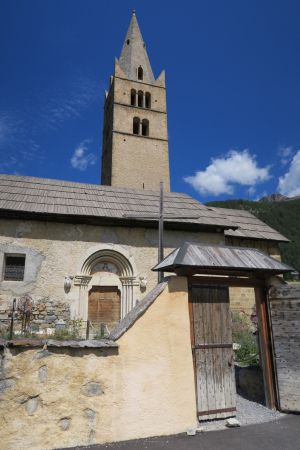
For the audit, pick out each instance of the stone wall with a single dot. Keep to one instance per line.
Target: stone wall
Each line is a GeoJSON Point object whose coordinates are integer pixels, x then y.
{"type": "Point", "coordinates": [63, 397]}
{"type": "Point", "coordinates": [56, 250]}
{"type": "Point", "coordinates": [243, 299]}
{"type": "Point", "coordinates": [45, 314]}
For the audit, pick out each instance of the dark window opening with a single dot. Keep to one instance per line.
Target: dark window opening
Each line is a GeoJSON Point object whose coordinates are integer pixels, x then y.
{"type": "Point", "coordinates": [140, 73]}
{"type": "Point", "coordinates": [14, 267]}
{"type": "Point", "coordinates": [128, 41]}
{"type": "Point", "coordinates": [133, 97]}
{"type": "Point", "coordinates": [145, 127]}
{"type": "Point", "coordinates": [148, 100]}
{"type": "Point", "coordinates": [140, 99]}
{"type": "Point", "coordinates": [136, 125]}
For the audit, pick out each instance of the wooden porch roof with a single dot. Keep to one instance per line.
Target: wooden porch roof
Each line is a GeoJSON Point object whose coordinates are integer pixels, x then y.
{"type": "Point", "coordinates": [214, 259]}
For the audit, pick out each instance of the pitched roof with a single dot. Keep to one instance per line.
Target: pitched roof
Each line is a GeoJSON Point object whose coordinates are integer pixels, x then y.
{"type": "Point", "coordinates": [249, 226]}
{"type": "Point", "coordinates": [47, 199]}
{"type": "Point", "coordinates": [218, 258]}
{"type": "Point", "coordinates": [134, 54]}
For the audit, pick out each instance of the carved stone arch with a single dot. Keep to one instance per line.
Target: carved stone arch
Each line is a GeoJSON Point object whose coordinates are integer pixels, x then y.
{"type": "Point", "coordinates": [110, 256]}
{"type": "Point", "coordinates": [113, 255]}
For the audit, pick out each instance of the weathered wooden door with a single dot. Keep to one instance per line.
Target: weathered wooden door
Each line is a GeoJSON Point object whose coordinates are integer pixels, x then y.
{"type": "Point", "coordinates": [213, 352]}
{"type": "Point", "coordinates": [104, 306]}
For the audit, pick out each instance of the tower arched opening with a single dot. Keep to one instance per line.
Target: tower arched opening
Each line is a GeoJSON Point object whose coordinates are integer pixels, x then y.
{"type": "Point", "coordinates": [140, 73]}
{"type": "Point", "coordinates": [148, 100]}
{"type": "Point", "coordinates": [136, 125]}
{"type": "Point", "coordinates": [145, 127]}
{"type": "Point", "coordinates": [141, 99]}
{"type": "Point", "coordinates": [133, 97]}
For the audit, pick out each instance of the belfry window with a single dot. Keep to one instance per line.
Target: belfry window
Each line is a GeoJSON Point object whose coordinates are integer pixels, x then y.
{"type": "Point", "coordinates": [136, 125]}
{"type": "Point", "coordinates": [145, 127]}
{"type": "Point", "coordinates": [133, 97]}
{"type": "Point", "coordinates": [141, 99]}
{"type": "Point", "coordinates": [148, 100]}
{"type": "Point", "coordinates": [140, 73]}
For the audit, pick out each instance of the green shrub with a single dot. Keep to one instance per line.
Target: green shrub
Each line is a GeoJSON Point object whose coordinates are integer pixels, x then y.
{"type": "Point", "coordinates": [243, 335]}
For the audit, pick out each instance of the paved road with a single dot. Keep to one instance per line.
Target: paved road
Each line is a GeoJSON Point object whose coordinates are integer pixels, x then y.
{"type": "Point", "coordinates": [282, 434]}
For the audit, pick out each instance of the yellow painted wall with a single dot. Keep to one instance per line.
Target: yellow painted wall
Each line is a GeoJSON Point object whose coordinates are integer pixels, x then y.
{"type": "Point", "coordinates": [148, 387]}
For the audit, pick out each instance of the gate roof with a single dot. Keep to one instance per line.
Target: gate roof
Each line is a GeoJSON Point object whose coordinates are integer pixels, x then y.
{"type": "Point", "coordinates": [202, 258]}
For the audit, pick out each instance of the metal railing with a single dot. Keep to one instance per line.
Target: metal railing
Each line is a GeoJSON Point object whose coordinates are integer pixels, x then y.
{"type": "Point", "coordinates": [14, 273]}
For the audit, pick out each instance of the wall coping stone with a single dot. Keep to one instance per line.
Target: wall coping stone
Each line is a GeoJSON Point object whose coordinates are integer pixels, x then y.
{"type": "Point", "coordinates": [92, 343]}
{"type": "Point", "coordinates": [137, 311]}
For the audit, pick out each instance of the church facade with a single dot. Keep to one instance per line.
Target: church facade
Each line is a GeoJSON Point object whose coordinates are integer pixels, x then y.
{"type": "Point", "coordinates": [86, 251]}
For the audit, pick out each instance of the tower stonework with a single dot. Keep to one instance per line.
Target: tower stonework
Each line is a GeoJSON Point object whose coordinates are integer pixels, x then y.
{"type": "Point", "coordinates": [135, 134]}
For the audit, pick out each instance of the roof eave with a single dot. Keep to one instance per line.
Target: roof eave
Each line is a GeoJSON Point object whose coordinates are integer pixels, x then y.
{"type": "Point", "coordinates": [212, 270]}
{"type": "Point", "coordinates": [98, 220]}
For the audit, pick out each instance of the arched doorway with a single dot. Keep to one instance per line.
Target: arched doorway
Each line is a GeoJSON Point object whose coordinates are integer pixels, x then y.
{"type": "Point", "coordinates": [107, 286]}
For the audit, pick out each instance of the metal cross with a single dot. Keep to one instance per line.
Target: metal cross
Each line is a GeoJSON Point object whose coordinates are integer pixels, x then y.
{"type": "Point", "coordinates": [160, 217]}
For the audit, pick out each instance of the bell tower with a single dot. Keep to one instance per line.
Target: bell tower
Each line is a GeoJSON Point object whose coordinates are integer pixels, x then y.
{"type": "Point", "coordinates": [135, 135]}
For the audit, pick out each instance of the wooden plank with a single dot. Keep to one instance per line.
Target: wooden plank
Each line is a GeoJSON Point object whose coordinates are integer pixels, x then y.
{"type": "Point", "coordinates": [265, 340]}
{"type": "Point", "coordinates": [212, 350]}
{"type": "Point", "coordinates": [232, 281]}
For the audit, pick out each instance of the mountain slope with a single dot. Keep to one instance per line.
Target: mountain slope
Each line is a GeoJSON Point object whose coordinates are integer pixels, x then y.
{"type": "Point", "coordinates": [284, 216]}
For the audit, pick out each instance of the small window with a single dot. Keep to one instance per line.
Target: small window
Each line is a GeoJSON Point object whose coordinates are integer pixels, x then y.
{"type": "Point", "coordinates": [145, 127]}
{"type": "Point", "coordinates": [141, 99]}
{"type": "Point", "coordinates": [128, 41]}
{"type": "Point", "coordinates": [133, 97]}
{"type": "Point", "coordinates": [14, 266]}
{"type": "Point", "coordinates": [136, 125]}
{"type": "Point", "coordinates": [148, 100]}
{"type": "Point", "coordinates": [140, 73]}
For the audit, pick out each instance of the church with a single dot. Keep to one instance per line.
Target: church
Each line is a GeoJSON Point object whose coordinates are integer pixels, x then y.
{"type": "Point", "coordinates": [85, 251]}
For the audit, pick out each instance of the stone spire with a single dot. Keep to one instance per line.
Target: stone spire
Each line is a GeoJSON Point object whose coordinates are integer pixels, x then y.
{"type": "Point", "coordinates": [134, 55]}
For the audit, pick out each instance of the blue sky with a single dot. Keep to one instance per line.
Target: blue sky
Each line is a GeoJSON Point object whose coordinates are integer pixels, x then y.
{"type": "Point", "coordinates": [233, 89]}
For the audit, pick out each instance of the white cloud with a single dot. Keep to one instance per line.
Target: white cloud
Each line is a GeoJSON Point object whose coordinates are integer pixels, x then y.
{"type": "Point", "coordinates": [237, 167]}
{"type": "Point", "coordinates": [285, 154]}
{"type": "Point", "coordinates": [81, 159]}
{"type": "Point", "coordinates": [68, 101]}
{"type": "Point", "coordinates": [251, 191]}
{"type": "Point", "coordinates": [43, 112]}
{"type": "Point", "coordinates": [289, 183]}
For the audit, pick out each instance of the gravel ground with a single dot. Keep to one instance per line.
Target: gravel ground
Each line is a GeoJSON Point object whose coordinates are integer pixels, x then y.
{"type": "Point", "coordinates": [248, 413]}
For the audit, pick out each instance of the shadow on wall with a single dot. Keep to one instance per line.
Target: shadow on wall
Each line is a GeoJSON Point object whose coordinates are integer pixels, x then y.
{"type": "Point", "coordinates": [250, 384]}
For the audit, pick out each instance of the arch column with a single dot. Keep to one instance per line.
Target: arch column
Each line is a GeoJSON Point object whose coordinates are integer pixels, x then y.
{"type": "Point", "coordinates": [127, 297]}
{"type": "Point", "coordinates": [82, 281]}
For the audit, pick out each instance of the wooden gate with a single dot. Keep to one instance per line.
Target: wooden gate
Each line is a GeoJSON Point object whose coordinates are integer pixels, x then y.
{"type": "Point", "coordinates": [285, 323]}
{"type": "Point", "coordinates": [211, 335]}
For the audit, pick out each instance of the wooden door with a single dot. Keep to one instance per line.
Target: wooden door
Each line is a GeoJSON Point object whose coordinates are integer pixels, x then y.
{"type": "Point", "coordinates": [213, 352]}
{"type": "Point", "coordinates": [104, 306]}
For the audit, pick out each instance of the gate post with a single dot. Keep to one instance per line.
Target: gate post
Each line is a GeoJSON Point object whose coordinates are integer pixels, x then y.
{"type": "Point", "coordinates": [265, 346]}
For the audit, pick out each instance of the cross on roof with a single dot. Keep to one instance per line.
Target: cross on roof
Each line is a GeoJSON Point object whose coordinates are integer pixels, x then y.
{"type": "Point", "coordinates": [160, 216]}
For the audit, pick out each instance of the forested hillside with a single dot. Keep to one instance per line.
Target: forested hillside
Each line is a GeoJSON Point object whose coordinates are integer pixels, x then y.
{"type": "Point", "coordinates": [284, 216]}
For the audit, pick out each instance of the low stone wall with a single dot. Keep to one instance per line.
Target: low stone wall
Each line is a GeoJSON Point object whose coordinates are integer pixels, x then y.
{"type": "Point", "coordinates": [44, 315]}
{"type": "Point", "coordinates": [62, 396]}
